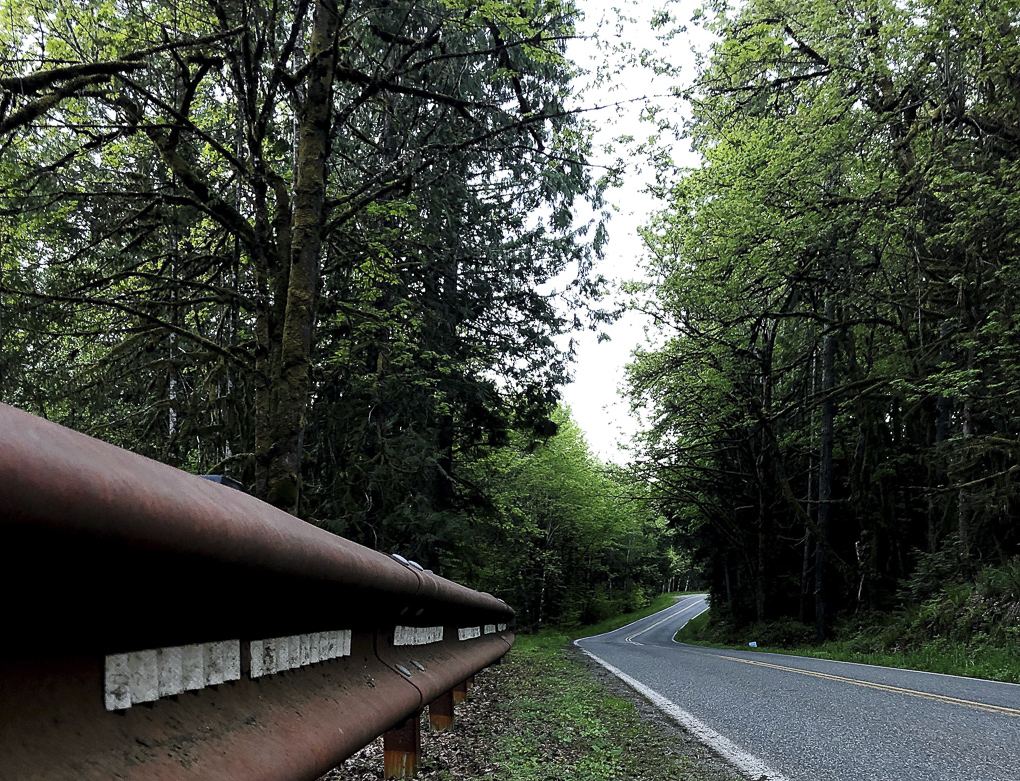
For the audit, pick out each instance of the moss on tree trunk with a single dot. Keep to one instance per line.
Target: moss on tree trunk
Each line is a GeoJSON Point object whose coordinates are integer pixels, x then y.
{"type": "Point", "coordinates": [293, 374]}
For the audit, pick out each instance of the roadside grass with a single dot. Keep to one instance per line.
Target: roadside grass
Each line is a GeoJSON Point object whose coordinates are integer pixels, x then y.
{"type": "Point", "coordinates": [937, 656]}
{"type": "Point", "coordinates": [975, 659]}
{"type": "Point", "coordinates": [546, 714]}
{"type": "Point", "coordinates": [559, 722]}
{"type": "Point", "coordinates": [694, 631]}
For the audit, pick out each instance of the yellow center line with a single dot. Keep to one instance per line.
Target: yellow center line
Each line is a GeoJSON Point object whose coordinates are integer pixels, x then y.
{"type": "Point", "coordinates": [946, 700]}
{"type": "Point", "coordinates": [664, 620]}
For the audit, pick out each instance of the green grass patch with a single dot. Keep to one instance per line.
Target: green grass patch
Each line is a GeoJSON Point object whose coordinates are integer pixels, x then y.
{"type": "Point", "coordinates": [557, 720]}
{"type": "Point", "coordinates": [888, 644]}
{"type": "Point", "coordinates": [693, 630]}
{"type": "Point", "coordinates": [561, 723]}
{"type": "Point", "coordinates": [936, 656]}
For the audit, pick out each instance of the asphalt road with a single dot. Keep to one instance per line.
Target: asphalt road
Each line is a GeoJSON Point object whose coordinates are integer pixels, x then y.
{"type": "Point", "coordinates": [792, 718]}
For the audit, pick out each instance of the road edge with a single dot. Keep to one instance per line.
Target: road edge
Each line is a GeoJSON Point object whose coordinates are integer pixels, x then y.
{"type": "Point", "coordinates": [747, 764]}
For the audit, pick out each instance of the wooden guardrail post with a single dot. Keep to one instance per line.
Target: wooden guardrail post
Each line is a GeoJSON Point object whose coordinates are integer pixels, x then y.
{"type": "Point", "coordinates": [460, 692]}
{"type": "Point", "coordinates": [441, 712]}
{"type": "Point", "coordinates": [402, 749]}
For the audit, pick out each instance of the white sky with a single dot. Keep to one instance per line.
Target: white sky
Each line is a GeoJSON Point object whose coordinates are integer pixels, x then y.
{"type": "Point", "coordinates": [594, 396]}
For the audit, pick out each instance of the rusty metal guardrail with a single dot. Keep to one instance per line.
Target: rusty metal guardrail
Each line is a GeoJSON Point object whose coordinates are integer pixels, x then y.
{"type": "Point", "coordinates": [162, 626]}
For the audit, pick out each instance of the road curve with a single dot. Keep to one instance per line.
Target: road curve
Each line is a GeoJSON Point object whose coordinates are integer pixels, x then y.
{"type": "Point", "coordinates": [792, 718]}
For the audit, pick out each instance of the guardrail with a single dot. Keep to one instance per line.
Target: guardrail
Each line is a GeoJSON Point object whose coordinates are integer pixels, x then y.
{"type": "Point", "coordinates": [162, 626]}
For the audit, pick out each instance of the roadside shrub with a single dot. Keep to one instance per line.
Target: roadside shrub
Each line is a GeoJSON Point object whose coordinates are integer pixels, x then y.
{"type": "Point", "coordinates": [783, 633]}
{"type": "Point", "coordinates": [934, 571]}
{"type": "Point", "coordinates": [998, 593]}
{"type": "Point", "coordinates": [632, 598]}
{"type": "Point", "coordinates": [983, 611]}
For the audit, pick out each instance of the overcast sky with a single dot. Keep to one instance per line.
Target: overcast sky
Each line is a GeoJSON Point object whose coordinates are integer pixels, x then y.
{"type": "Point", "coordinates": [594, 395]}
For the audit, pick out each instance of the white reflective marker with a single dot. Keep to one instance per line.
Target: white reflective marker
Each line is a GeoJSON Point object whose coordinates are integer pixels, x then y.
{"type": "Point", "coordinates": [278, 654]}
{"type": "Point", "coordinates": [192, 667]}
{"type": "Point", "coordinates": [417, 635]}
{"type": "Point", "coordinates": [146, 676]}
{"type": "Point", "coordinates": [117, 682]}
{"type": "Point", "coordinates": [170, 662]}
{"type": "Point", "coordinates": [144, 681]}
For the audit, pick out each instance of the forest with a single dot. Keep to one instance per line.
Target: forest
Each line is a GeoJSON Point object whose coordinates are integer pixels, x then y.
{"type": "Point", "coordinates": [324, 249]}
{"type": "Point", "coordinates": [331, 249]}
{"type": "Point", "coordinates": [835, 394]}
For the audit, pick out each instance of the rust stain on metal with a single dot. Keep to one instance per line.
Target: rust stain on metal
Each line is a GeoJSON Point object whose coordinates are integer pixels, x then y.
{"type": "Point", "coordinates": [441, 712]}
{"type": "Point", "coordinates": [402, 749]}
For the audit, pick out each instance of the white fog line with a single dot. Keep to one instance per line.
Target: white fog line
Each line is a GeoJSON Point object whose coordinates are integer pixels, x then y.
{"type": "Point", "coordinates": [673, 638]}
{"type": "Point", "coordinates": [746, 763]}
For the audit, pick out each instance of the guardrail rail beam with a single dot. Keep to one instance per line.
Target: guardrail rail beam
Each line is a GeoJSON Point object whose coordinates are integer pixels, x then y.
{"type": "Point", "coordinates": [160, 626]}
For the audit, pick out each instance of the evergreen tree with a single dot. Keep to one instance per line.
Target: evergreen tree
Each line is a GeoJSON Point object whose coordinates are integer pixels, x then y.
{"type": "Point", "coordinates": [839, 324]}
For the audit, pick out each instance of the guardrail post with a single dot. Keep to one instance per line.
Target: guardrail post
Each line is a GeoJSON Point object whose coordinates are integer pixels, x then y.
{"type": "Point", "coordinates": [470, 682]}
{"type": "Point", "coordinates": [441, 712]}
{"type": "Point", "coordinates": [402, 748]}
{"type": "Point", "coordinates": [460, 692]}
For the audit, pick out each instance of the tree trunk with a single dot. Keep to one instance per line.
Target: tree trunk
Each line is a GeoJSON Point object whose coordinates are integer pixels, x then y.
{"type": "Point", "coordinates": [805, 576]}
{"type": "Point", "coordinates": [943, 414]}
{"type": "Point", "coordinates": [759, 590]}
{"type": "Point", "coordinates": [294, 370]}
{"type": "Point", "coordinates": [447, 426]}
{"type": "Point", "coordinates": [805, 570]}
{"type": "Point", "coordinates": [825, 465]}
{"type": "Point", "coordinates": [963, 500]}
{"type": "Point", "coordinates": [729, 588]}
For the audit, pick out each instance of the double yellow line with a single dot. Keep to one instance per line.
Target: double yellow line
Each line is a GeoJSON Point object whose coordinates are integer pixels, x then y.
{"type": "Point", "coordinates": [982, 706]}
{"type": "Point", "coordinates": [671, 616]}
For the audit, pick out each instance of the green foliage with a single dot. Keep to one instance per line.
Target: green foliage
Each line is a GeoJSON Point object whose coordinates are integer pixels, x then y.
{"type": "Point", "coordinates": [150, 218]}
{"type": "Point", "coordinates": [934, 572]}
{"type": "Point", "coordinates": [849, 200]}
{"type": "Point", "coordinates": [577, 542]}
{"type": "Point", "coordinates": [780, 633]}
{"type": "Point", "coordinates": [966, 628]}
{"type": "Point", "coordinates": [310, 246]}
